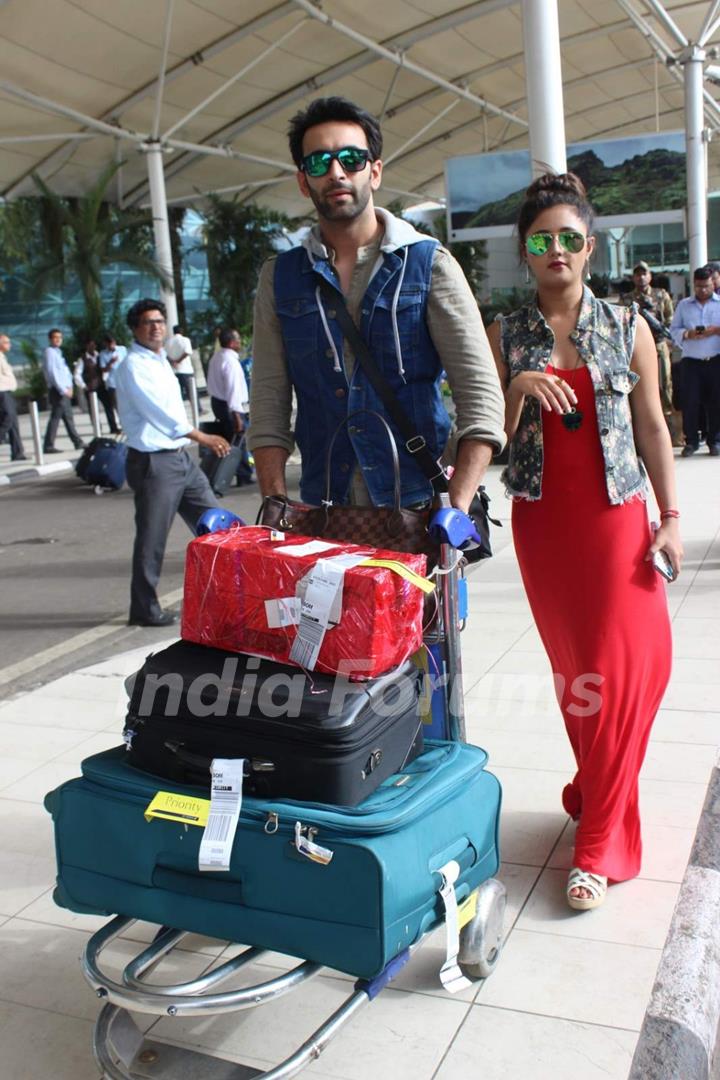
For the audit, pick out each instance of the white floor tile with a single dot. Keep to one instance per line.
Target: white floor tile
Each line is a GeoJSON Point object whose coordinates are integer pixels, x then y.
{"type": "Point", "coordinates": [679, 761]}
{"type": "Point", "coordinates": [35, 786]}
{"type": "Point", "coordinates": [45, 910]}
{"type": "Point", "coordinates": [12, 769]}
{"type": "Point", "coordinates": [519, 662]}
{"type": "Point", "coordinates": [497, 1044]}
{"type": "Point", "coordinates": [529, 749]}
{"type": "Point", "coordinates": [681, 726]}
{"type": "Point", "coordinates": [79, 687]}
{"type": "Point", "coordinates": [37, 1043]}
{"type": "Point", "coordinates": [127, 662]}
{"type": "Point", "coordinates": [577, 979]}
{"type": "Point", "coordinates": [532, 819]}
{"type": "Point", "coordinates": [634, 913]}
{"type": "Point", "coordinates": [402, 1035]}
{"type": "Point", "coordinates": [696, 670]}
{"type": "Point", "coordinates": [35, 744]}
{"type": "Point", "coordinates": [666, 850]}
{"type": "Point", "coordinates": [668, 802]}
{"type": "Point", "coordinates": [95, 744]}
{"type": "Point", "coordinates": [44, 712]}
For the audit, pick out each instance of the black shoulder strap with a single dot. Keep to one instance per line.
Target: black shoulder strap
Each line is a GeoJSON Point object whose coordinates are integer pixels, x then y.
{"type": "Point", "coordinates": [414, 444]}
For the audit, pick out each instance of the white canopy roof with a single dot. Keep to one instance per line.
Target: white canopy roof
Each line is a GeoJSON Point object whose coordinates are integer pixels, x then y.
{"type": "Point", "coordinates": [82, 83]}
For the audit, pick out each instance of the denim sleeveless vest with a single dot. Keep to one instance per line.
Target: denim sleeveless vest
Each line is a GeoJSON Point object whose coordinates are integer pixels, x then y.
{"type": "Point", "coordinates": [604, 338]}
{"type": "Point", "coordinates": [394, 326]}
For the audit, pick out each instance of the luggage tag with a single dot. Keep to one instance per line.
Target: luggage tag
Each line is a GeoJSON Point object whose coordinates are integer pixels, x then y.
{"type": "Point", "coordinates": [225, 802]}
{"type": "Point", "coordinates": [304, 845]}
{"type": "Point", "coordinates": [451, 976]}
{"type": "Point", "coordinates": [322, 600]}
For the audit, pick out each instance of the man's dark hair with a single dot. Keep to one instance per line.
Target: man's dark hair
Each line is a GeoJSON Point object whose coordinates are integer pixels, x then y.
{"type": "Point", "coordinates": [138, 310]}
{"type": "Point", "coordinates": [703, 273]}
{"type": "Point", "coordinates": [327, 110]}
{"type": "Point", "coordinates": [177, 329]}
{"type": "Point", "coordinates": [108, 339]}
{"type": "Point", "coordinates": [714, 266]}
{"type": "Point", "coordinates": [226, 337]}
{"type": "Point", "coordinates": [55, 330]}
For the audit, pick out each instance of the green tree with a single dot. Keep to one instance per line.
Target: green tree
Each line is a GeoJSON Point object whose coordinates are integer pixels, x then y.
{"type": "Point", "coordinates": [238, 238]}
{"type": "Point", "coordinates": [471, 254]}
{"type": "Point", "coordinates": [77, 238]}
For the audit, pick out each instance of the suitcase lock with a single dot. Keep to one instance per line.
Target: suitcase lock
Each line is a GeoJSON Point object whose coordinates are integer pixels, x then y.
{"type": "Point", "coordinates": [372, 763]}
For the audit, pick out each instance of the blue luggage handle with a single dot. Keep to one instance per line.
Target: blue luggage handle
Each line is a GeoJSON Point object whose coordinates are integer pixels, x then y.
{"type": "Point", "coordinates": [215, 520]}
{"type": "Point", "coordinates": [451, 526]}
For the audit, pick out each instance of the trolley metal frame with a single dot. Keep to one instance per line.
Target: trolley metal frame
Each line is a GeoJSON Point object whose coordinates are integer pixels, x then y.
{"type": "Point", "coordinates": [124, 1053]}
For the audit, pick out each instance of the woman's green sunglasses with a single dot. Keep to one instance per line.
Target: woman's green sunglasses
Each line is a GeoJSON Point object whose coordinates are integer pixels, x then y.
{"type": "Point", "coordinates": [541, 242]}
{"type": "Point", "coordinates": [351, 159]}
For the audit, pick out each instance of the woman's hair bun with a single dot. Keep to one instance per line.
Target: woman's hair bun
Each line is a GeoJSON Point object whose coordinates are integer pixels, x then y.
{"type": "Point", "coordinates": [557, 184]}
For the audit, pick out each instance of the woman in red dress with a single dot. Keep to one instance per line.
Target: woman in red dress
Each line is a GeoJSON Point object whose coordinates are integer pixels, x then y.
{"type": "Point", "coordinates": [581, 390]}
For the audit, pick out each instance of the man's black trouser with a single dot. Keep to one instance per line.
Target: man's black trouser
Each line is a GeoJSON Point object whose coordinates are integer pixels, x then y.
{"type": "Point", "coordinates": [701, 390]}
{"type": "Point", "coordinates": [165, 483]}
{"type": "Point", "coordinates": [60, 409]}
{"type": "Point", "coordinates": [225, 417]}
{"type": "Point", "coordinates": [9, 427]}
{"type": "Point", "coordinates": [106, 395]}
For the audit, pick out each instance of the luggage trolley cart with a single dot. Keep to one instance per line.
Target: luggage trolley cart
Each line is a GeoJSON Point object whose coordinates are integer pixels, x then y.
{"type": "Point", "coordinates": [121, 1049]}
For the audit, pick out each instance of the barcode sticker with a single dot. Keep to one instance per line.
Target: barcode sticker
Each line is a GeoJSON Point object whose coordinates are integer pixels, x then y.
{"type": "Point", "coordinates": [225, 803]}
{"type": "Point", "coordinates": [321, 592]}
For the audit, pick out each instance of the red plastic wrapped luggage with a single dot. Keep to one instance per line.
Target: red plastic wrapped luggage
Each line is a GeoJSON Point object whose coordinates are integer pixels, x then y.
{"type": "Point", "coordinates": [304, 601]}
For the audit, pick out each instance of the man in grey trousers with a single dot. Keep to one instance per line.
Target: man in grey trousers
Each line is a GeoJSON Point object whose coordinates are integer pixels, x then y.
{"type": "Point", "coordinates": [161, 473]}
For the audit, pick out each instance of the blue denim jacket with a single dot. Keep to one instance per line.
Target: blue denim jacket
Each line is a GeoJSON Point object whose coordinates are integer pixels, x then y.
{"type": "Point", "coordinates": [604, 337]}
{"type": "Point", "coordinates": [394, 326]}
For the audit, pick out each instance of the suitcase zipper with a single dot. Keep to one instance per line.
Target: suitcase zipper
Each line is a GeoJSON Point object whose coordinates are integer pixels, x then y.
{"type": "Point", "coordinates": [273, 815]}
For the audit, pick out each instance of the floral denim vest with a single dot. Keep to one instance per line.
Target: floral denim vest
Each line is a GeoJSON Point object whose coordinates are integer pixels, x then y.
{"type": "Point", "coordinates": [604, 337]}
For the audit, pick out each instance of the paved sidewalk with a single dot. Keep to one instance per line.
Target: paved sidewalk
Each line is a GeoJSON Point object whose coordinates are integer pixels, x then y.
{"type": "Point", "coordinates": [569, 994]}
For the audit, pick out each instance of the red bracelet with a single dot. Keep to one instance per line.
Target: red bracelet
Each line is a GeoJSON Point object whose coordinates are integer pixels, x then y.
{"type": "Point", "coordinates": [669, 514]}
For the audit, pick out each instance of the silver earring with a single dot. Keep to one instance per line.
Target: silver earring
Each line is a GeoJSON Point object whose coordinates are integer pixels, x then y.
{"type": "Point", "coordinates": [527, 274]}
{"type": "Point", "coordinates": [587, 274]}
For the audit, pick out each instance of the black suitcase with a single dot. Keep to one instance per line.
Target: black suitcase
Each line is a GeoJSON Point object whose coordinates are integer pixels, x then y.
{"type": "Point", "coordinates": [304, 736]}
{"type": "Point", "coordinates": [220, 471]}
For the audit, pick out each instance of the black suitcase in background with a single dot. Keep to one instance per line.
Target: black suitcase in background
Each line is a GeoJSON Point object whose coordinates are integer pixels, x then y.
{"type": "Point", "coordinates": [220, 471]}
{"type": "Point", "coordinates": [305, 736]}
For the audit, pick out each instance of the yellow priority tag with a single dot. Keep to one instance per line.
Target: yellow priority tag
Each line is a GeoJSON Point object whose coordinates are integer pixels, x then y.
{"type": "Point", "coordinates": [186, 809]}
{"type": "Point", "coordinates": [404, 572]}
{"type": "Point", "coordinates": [466, 910]}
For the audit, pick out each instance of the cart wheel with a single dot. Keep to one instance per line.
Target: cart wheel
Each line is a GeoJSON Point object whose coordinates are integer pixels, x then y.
{"type": "Point", "coordinates": [481, 938]}
{"type": "Point", "coordinates": [99, 489]}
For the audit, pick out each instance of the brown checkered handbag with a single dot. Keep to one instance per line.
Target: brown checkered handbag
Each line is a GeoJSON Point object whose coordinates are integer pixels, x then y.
{"type": "Point", "coordinates": [392, 527]}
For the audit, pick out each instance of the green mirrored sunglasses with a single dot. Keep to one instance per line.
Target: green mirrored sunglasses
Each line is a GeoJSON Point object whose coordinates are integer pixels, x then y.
{"type": "Point", "coordinates": [351, 159]}
{"type": "Point", "coordinates": [541, 242]}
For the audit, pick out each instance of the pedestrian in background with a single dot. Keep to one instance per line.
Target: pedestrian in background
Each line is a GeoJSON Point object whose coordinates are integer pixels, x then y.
{"type": "Point", "coordinates": [696, 331]}
{"type": "Point", "coordinates": [581, 392]}
{"type": "Point", "coordinates": [110, 358]}
{"type": "Point", "coordinates": [228, 391]}
{"type": "Point", "coordinates": [179, 353]}
{"type": "Point", "coordinates": [86, 375]}
{"type": "Point", "coordinates": [162, 475]}
{"type": "Point", "coordinates": [9, 427]}
{"type": "Point", "coordinates": [60, 391]}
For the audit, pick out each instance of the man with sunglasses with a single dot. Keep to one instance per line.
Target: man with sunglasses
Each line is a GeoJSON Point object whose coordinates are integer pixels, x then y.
{"type": "Point", "coordinates": [414, 309]}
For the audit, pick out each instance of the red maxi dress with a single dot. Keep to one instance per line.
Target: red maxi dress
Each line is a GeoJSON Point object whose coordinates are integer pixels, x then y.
{"type": "Point", "coordinates": [601, 611]}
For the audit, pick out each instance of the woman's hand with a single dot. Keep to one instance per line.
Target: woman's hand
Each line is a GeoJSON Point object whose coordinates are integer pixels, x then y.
{"type": "Point", "coordinates": [667, 539]}
{"type": "Point", "coordinates": [552, 391]}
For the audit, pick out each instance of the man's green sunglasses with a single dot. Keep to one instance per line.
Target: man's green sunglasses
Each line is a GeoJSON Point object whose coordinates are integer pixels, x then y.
{"type": "Point", "coordinates": [541, 242]}
{"type": "Point", "coordinates": [351, 159]}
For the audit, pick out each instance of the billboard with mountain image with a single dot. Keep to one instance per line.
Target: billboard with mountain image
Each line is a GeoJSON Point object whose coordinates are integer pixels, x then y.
{"type": "Point", "coordinates": [629, 180]}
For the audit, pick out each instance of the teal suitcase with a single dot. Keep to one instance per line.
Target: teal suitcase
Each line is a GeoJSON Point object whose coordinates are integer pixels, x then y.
{"type": "Point", "coordinates": [375, 897]}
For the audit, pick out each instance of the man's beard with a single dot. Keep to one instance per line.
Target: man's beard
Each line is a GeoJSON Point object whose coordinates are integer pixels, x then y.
{"type": "Point", "coordinates": [348, 209]}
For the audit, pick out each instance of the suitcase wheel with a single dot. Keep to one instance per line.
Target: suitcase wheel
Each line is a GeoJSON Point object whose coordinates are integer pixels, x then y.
{"type": "Point", "coordinates": [99, 489]}
{"type": "Point", "coordinates": [481, 939]}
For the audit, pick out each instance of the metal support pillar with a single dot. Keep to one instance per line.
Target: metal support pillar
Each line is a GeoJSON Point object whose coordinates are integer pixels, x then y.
{"type": "Point", "coordinates": [36, 434]}
{"type": "Point", "coordinates": [92, 399]}
{"type": "Point", "coordinates": [543, 84]}
{"type": "Point", "coordinates": [161, 227]}
{"type": "Point", "coordinates": [692, 61]}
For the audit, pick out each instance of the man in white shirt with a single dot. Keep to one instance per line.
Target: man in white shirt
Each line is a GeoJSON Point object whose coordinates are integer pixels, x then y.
{"type": "Point", "coordinates": [60, 391]}
{"type": "Point", "coordinates": [110, 358]}
{"type": "Point", "coordinates": [179, 353]}
{"type": "Point", "coordinates": [161, 473]}
{"type": "Point", "coordinates": [229, 395]}
{"type": "Point", "coordinates": [9, 428]}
